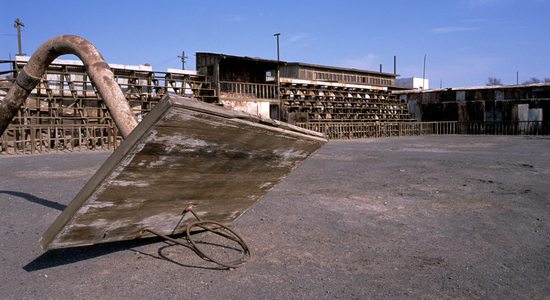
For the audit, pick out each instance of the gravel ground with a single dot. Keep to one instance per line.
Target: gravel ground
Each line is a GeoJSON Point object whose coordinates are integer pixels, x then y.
{"type": "Point", "coordinates": [416, 217]}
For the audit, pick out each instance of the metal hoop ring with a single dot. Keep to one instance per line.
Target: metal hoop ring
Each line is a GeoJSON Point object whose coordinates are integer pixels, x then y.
{"type": "Point", "coordinates": [207, 225]}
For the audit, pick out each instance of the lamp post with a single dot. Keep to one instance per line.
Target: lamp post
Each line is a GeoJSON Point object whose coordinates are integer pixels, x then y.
{"type": "Point", "coordinates": [424, 72]}
{"type": "Point", "coordinates": [278, 83]}
{"type": "Point", "coordinates": [277, 35]}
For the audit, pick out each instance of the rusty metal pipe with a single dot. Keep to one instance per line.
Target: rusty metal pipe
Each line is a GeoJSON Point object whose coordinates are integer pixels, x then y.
{"type": "Point", "coordinates": [100, 74]}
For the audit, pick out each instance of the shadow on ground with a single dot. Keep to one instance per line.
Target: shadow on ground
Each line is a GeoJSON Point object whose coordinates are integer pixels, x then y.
{"type": "Point", "coordinates": [37, 200]}
{"type": "Point", "coordinates": [60, 257]}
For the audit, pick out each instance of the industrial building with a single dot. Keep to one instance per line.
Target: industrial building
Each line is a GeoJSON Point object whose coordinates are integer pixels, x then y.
{"type": "Point", "coordinates": [65, 111]}
{"type": "Point", "coordinates": [303, 92]}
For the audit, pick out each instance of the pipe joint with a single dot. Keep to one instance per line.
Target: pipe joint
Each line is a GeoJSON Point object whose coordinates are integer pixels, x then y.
{"type": "Point", "coordinates": [27, 81]}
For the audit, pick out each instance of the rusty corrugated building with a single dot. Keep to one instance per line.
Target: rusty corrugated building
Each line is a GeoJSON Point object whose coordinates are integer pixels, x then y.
{"type": "Point", "coordinates": [489, 104]}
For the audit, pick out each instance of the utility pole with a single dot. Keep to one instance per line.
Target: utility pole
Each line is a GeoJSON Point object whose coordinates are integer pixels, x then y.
{"type": "Point", "coordinates": [278, 34]}
{"type": "Point", "coordinates": [18, 24]}
{"type": "Point", "coordinates": [183, 59]}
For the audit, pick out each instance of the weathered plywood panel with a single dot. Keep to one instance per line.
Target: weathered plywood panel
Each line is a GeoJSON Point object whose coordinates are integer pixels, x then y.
{"type": "Point", "coordinates": [183, 153]}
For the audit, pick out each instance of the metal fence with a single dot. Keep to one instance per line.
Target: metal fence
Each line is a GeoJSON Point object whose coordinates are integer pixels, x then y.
{"type": "Point", "coordinates": [32, 139]}
{"type": "Point", "coordinates": [342, 130]}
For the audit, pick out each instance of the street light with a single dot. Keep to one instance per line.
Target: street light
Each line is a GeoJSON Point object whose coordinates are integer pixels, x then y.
{"type": "Point", "coordinates": [277, 35]}
{"type": "Point", "coordinates": [278, 83]}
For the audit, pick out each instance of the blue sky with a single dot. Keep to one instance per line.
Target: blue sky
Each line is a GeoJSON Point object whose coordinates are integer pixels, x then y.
{"type": "Point", "coordinates": [465, 41]}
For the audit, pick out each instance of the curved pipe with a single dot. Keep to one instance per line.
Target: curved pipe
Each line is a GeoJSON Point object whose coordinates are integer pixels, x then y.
{"type": "Point", "coordinates": [100, 74]}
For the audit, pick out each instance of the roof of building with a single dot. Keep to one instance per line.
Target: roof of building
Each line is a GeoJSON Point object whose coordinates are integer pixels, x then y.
{"type": "Point", "coordinates": [72, 62]}
{"type": "Point", "coordinates": [300, 64]}
{"type": "Point", "coordinates": [470, 88]}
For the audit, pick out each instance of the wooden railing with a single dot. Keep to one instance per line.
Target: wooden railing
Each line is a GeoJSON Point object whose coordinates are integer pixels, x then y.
{"type": "Point", "coordinates": [32, 139]}
{"type": "Point", "coordinates": [340, 130]}
{"type": "Point", "coordinates": [248, 90]}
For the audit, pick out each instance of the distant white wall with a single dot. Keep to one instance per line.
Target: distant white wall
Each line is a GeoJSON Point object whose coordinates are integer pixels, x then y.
{"type": "Point", "coordinates": [413, 83]}
{"type": "Point", "coordinates": [258, 108]}
{"type": "Point", "coordinates": [535, 114]}
{"type": "Point", "coordinates": [529, 114]}
{"type": "Point", "coordinates": [523, 112]}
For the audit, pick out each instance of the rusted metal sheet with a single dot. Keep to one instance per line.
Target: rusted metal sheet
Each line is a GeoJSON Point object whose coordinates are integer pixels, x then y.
{"type": "Point", "coordinates": [183, 153]}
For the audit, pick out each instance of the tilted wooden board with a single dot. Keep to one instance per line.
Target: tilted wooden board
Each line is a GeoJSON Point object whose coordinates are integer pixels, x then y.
{"type": "Point", "coordinates": [183, 153]}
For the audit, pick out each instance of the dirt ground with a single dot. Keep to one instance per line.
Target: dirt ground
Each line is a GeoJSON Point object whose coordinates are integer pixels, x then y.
{"type": "Point", "coordinates": [416, 217]}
